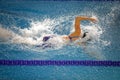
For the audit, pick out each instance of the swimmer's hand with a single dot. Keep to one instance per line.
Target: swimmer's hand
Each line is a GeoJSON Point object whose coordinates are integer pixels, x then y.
{"type": "Point", "coordinates": [94, 20]}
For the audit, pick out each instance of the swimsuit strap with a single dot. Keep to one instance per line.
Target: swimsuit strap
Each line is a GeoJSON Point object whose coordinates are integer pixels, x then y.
{"type": "Point", "coordinates": [73, 37]}
{"type": "Point", "coordinates": [84, 35]}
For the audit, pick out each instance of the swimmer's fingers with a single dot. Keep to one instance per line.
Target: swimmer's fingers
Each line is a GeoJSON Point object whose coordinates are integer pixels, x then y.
{"type": "Point", "coordinates": [94, 20]}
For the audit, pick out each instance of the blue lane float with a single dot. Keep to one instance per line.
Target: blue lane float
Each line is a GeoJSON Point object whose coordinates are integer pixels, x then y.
{"type": "Point", "coordinates": [59, 63]}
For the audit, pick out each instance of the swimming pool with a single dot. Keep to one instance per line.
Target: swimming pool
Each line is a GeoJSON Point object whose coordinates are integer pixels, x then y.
{"type": "Point", "coordinates": [34, 18]}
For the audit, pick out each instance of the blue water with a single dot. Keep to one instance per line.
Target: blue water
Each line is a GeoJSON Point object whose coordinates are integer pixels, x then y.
{"type": "Point", "coordinates": [18, 15]}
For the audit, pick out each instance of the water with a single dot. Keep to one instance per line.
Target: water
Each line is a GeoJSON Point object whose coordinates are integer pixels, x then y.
{"type": "Point", "coordinates": [25, 21]}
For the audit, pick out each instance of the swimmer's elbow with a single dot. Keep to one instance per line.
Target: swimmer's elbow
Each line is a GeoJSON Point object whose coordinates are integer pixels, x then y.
{"type": "Point", "coordinates": [80, 18]}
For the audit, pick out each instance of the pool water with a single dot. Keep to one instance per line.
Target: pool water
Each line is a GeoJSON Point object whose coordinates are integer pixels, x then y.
{"type": "Point", "coordinates": [29, 20]}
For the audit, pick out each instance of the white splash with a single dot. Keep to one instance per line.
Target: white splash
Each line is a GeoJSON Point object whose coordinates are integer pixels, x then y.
{"type": "Point", "coordinates": [5, 34]}
{"type": "Point", "coordinates": [38, 28]}
{"type": "Point", "coordinates": [33, 35]}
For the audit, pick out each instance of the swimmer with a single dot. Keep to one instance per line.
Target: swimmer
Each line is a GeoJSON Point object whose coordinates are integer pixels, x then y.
{"type": "Point", "coordinates": [77, 33]}
{"type": "Point", "coordinates": [68, 38]}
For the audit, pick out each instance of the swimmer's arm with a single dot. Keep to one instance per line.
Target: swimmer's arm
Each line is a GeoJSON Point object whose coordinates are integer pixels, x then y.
{"type": "Point", "coordinates": [77, 22]}
{"type": "Point", "coordinates": [77, 25]}
{"type": "Point", "coordinates": [79, 18]}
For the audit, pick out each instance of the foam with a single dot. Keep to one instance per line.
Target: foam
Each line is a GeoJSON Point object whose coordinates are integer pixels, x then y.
{"type": "Point", "coordinates": [34, 34]}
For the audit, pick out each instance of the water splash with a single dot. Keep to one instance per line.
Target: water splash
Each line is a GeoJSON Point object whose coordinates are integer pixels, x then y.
{"type": "Point", "coordinates": [33, 35]}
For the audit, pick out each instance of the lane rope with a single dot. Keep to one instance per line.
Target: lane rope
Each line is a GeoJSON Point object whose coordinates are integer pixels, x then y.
{"type": "Point", "coordinates": [59, 63]}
